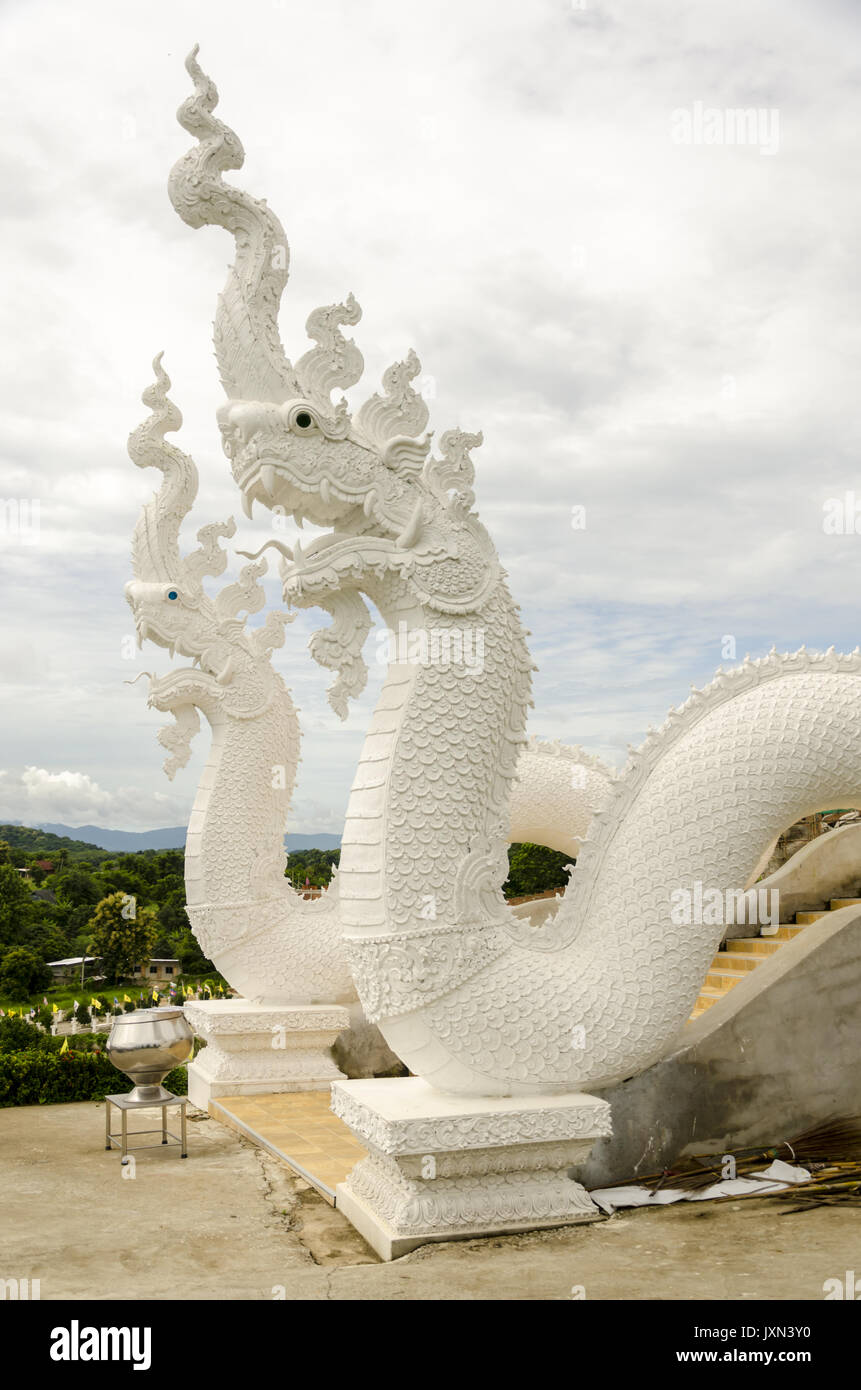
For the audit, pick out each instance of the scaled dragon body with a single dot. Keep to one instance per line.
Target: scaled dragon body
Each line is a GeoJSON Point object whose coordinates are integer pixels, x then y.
{"type": "Point", "coordinates": [267, 940]}
{"type": "Point", "coordinates": [463, 996]}
{"type": "Point", "coordinates": [272, 944]}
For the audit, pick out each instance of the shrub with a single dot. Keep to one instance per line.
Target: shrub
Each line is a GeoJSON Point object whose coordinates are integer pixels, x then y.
{"type": "Point", "coordinates": [23, 972]}
{"type": "Point", "coordinates": [16, 1035]}
{"type": "Point", "coordinates": [48, 1077]}
{"type": "Point", "coordinates": [534, 869]}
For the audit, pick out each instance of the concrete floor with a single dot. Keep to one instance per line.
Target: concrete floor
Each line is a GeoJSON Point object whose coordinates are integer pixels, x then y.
{"type": "Point", "coordinates": [231, 1222]}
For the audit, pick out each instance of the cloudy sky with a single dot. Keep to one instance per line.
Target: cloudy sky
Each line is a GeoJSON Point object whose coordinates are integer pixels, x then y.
{"type": "Point", "coordinates": [649, 311]}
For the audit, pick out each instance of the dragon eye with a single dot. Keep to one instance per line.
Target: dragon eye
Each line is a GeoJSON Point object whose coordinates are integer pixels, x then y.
{"type": "Point", "coordinates": [173, 594]}
{"type": "Point", "coordinates": [303, 420]}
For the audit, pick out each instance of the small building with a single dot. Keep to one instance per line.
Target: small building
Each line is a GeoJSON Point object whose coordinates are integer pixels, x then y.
{"type": "Point", "coordinates": [68, 971]}
{"type": "Point", "coordinates": [157, 970]}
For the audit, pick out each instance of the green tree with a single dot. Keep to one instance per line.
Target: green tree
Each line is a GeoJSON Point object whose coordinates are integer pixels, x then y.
{"type": "Point", "coordinates": [187, 949]}
{"type": "Point", "coordinates": [314, 864]}
{"type": "Point", "coordinates": [534, 869]}
{"type": "Point", "coordinates": [77, 895]}
{"type": "Point", "coordinates": [122, 933]}
{"type": "Point", "coordinates": [23, 972]}
{"type": "Point", "coordinates": [46, 939]}
{"type": "Point", "coordinates": [16, 910]}
{"type": "Point", "coordinates": [75, 888]}
{"type": "Point", "coordinates": [172, 919]}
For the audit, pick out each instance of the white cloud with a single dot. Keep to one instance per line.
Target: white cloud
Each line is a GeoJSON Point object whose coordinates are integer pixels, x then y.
{"type": "Point", "coordinates": [664, 334]}
{"type": "Point", "coordinates": [35, 794]}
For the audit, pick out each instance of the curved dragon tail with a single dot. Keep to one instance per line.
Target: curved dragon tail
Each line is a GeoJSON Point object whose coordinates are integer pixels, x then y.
{"type": "Point", "coordinates": [251, 359]}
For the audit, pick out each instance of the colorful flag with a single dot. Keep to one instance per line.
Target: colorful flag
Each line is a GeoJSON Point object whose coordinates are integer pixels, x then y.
{"type": "Point", "coordinates": [95, 1004]}
{"type": "Point", "coordinates": [126, 999]}
{"type": "Point", "coordinates": [44, 1001]}
{"type": "Point", "coordinates": [65, 1046]}
{"type": "Point", "coordinates": [75, 1007]}
{"type": "Point", "coordinates": [55, 1008]}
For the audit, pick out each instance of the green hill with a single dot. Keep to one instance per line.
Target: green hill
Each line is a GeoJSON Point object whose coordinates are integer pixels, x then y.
{"type": "Point", "coordinates": [42, 842]}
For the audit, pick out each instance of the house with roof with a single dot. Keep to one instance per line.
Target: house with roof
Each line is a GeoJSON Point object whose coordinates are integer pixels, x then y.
{"type": "Point", "coordinates": [68, 970]}
{"type": "Point", "coordinates": [158, 970]}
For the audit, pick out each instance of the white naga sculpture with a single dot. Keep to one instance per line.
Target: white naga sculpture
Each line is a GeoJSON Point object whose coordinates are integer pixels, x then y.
{"type": "Point", "coordinates": [271, 944]}
{"type": "Point", "coordinates": [268, 941]}
{"type": "Point", "coordinates": [473, 1004]}
{"type": "Point", "coordinates": [428, 816]}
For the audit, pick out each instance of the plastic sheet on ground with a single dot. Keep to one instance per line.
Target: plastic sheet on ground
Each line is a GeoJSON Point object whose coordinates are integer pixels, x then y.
{"type": "Point", "coordinates": [776, 1178]}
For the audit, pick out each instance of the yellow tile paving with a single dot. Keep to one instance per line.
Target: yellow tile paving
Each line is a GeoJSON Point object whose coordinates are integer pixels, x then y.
{"type": "Point", "coordinates": [298, 1127]}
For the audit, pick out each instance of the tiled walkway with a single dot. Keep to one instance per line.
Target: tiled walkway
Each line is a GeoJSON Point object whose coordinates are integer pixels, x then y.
{"type": "Point", "coordinates": [298, 1127]}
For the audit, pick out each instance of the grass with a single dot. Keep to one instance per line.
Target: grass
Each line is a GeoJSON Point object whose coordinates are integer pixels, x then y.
{"type": "Point", "coordinates": [65, 995]}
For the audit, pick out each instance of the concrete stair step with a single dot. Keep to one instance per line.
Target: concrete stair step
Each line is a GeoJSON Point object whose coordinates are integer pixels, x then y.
{"type": "Point", "coordinates": [742, 954]}
{"type": "Point", "coordinates": [722, 980]}
{"type": "Point", "coordinates": [705, 999]}
{"type": "Point", "coordinates": [753, 945]}
{"type": "Point", "coordinates": [734, 960]}
{"type": "Point", "coordinates": [745, 953]}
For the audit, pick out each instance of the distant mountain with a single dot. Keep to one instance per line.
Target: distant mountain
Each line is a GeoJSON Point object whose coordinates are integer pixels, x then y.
{"type": "Point", "coordinates": [173, 837]}
{"type": "Point", "coordinates": [39, 841]}
{"type": "Point", "coordinates": [126, 841]}
{"type": "Point", "coordinates": [320, 841]}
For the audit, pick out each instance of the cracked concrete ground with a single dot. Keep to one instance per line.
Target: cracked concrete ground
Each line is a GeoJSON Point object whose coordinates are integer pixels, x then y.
{"type": "Point", "coordinates": [231, 1222]}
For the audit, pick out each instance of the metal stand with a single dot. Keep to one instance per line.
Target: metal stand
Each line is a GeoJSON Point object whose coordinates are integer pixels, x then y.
{"type": "Point", "coordinates": [124, 1105]}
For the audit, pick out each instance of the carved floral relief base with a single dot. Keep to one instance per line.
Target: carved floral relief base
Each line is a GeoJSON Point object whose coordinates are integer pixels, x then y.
{"type": "Point", "coordinates": [445, 1167]}
{"type": "Point", "coordinates": [258, 1049]}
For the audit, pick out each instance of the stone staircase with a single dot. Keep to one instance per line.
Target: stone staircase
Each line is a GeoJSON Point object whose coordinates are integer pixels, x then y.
{"type": "Point", "coordinates": [744, 953]}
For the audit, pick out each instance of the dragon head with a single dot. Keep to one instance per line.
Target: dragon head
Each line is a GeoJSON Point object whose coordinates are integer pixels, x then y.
{"type": "Point", "coordinates": [230, 670]}
{"type": "Point", "coordinates": [391, 505]}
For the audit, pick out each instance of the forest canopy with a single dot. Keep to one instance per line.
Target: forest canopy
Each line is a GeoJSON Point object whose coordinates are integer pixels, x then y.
{"type": "Point", "coordinates": [61, 897]}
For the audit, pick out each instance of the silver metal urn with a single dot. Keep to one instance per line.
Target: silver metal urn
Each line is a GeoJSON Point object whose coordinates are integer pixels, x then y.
{"type": "Point", "coordinates": [146, 1045]}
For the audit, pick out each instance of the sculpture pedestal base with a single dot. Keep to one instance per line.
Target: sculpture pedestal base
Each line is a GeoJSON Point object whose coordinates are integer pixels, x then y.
{"type": "Point", "coordinates": [256, 1049]}
{"type": "Point", "coordinates": [446, 1167]}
